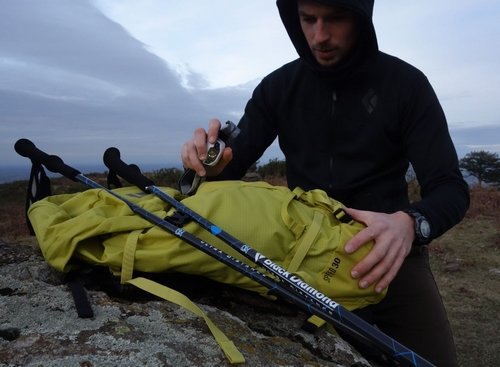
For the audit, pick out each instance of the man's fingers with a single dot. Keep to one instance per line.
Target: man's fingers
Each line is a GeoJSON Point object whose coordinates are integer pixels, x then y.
{"type": "Point", "coordinates": [390, 274]}
{"type": "Point", "coordinates": [213, 130]}
{"type": "Point", "coordinates": [369, 266]}
{"type": "Point", "coordinates": [200, 143]}
{"type": "Point", "coordinates": [194, 151]}
{"type": "Point", "coordinates": [194, 162]}
{"type": "Point", "coordinates": [358, 215]}
{"type": "Point", "coordinates": [392, 243]}
{"type": "Point", "coordinates": [379, 267]}
{"type": "Point", "coordinates": [361, 238]}
{"type": "Point", "coordinates": [227, 155]}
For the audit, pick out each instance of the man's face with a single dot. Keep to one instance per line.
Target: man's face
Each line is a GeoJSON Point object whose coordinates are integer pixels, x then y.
{"type": "Point", "coordinates": [330, 31]}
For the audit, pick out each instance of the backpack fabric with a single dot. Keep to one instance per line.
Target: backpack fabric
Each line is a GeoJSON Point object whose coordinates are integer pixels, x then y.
{"type": "Point", "coordinates": [302, 231]}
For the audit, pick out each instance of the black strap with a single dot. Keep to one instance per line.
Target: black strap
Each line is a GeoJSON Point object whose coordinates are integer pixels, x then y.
{"type": "Point", "coordinates": [342, 216]}
{"type": "Point", "coordinates": [178, 219]}
{"type": "Point", "coordinates": [80, 297]}
{"type": "Point", "coordinates": [38, 188]}
{"type": "Point", "coordinates": [113, 181]}
{"type": "Point", "coordinates": [189, 182]}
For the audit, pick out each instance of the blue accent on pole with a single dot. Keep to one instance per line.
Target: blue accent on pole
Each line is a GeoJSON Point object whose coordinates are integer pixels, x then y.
{"type": "Point", "coordinates": [215, 230]}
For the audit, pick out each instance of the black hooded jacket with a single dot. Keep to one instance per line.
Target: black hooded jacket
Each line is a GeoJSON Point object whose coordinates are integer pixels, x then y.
{"type": "Point", "coordinates": [353, 130]}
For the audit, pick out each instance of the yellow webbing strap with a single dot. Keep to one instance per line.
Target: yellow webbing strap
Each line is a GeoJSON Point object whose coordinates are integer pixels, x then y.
{"type": "Point", "coordinates": [307, 240]}
{"type": "Point", "coordinates": [303, 248]}
{"type": "Point", "coordinates": [232, 353]}
{"type": "Point", "coordinates": [318, 198]}
{"type": "Point", "coordinates": [316, 321]}
{"type": "Point", "coordinates": [129, 256]}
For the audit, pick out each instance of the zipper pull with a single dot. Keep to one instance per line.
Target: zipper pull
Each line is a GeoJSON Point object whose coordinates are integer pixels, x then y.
{"type": "Point", "coordinates": [334, 101]}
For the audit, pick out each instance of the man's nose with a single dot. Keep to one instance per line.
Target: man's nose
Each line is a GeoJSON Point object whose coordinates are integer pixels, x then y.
{"type": "Point", "coordinates": [322, 33]}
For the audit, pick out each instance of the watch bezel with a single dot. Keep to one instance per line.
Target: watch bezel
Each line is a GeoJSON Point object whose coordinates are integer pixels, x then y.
{"type": "Point", "coordinates": [422, 237]}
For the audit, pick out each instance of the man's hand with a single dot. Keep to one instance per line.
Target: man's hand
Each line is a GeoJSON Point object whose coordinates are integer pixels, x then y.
{"type": "Point", "coordinates": [194, 151]}
{"type": "Point", "coordinates": [393, 235]}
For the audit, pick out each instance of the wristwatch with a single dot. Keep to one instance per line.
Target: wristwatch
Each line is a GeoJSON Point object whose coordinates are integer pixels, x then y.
{"type": "Point", "coordinates": [422, 227]}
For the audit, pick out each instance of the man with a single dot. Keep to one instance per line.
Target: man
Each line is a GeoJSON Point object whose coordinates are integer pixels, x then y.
{"type": "Point", "coordinates": [349, 120]}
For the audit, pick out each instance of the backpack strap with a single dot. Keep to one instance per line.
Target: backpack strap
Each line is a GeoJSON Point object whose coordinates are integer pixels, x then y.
{"type": "Point", "coordinates": [168, 294]}
{"type": "Point", "coordinates": [319, 198]}
{"type": "Point", "coordinates": [38, 188]}
{"type": "Point", "coordinates": [308, 238]}
{"type": "Point", "coordinates": [80, 297]}
{"type": "Point", "coordinates": [232, 353]}
{"type": "Point", "coordinates": [313, 323]}
{"type": "Point", "coordinates": [112, 180]}
{"type": "Point", "coordinates": [128, 260]}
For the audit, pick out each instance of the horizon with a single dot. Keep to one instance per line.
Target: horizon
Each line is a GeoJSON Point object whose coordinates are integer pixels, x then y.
{"type": "Point", "coordinates": [21, 172]}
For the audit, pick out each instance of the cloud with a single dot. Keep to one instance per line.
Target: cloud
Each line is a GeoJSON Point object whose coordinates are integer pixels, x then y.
{"type": "Point", "coordinates": [79, 76]}
{"type": "Point", "coordinates": [228, 43]}
{"type": "Point", "coordinates": [475, 138]}
{"type": "Point", "coordinates": [63, 43]}
{"type": "Point", "coordinates": [76, 82]}
{"type": "Point", "coordinates": [456, 44]}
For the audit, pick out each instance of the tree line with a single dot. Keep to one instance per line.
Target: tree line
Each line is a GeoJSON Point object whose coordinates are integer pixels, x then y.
{"type": "Point", "coordinates": [483, 165]}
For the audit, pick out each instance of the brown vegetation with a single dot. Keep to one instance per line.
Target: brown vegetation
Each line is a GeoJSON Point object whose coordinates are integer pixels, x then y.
{"type": "Point", "coordinates": [484, 201]}
{"type": "Point", "coordinates": [466, 265]}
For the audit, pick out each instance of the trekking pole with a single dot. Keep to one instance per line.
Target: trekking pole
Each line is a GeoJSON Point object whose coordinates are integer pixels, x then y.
{"type": "Point", "coordinates": [55, 164]}
{"type": "Point", "coordinates": [362, 329]}
{"type": "Point", "coordinates": [331, 312]}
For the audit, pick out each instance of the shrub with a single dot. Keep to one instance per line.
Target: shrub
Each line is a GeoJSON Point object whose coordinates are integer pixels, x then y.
{"type": "Point", "coordinates": [274, 168]}
{"type": "Point", "coordinates": [166, 176]}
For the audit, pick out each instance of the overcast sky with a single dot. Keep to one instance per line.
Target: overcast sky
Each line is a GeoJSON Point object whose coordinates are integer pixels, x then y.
{"type": "Point", "coordinates": [78, 76]}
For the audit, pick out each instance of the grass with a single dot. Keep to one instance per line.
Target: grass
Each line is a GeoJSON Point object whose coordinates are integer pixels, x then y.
{"type": "Point", "coordinates": [466, 265]}
{"type": "Point", "coordinates": [465, 261]}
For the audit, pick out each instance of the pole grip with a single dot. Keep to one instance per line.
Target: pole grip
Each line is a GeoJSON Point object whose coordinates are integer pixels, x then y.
{"type": "Point", "coordinates": [228, 133]}
{"type": "Point", "coordinates": [129, 172]}
{"type": "Point", "coordinates": [53, 163]}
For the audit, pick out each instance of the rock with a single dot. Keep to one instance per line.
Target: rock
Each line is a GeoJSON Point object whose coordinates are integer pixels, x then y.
{"type": "Point", "coordinates": [494, 272]}
{"type": "Point", "coordinates": [39, 326]}
{"type": "Point", "coordinates": [454, 266]}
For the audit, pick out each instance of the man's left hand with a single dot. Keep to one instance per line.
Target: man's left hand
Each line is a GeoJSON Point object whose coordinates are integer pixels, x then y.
{"type": "Point", "coordinates": [393, 235]}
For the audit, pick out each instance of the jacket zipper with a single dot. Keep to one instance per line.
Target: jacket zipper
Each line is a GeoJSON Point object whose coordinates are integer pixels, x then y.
{"type": "Point", "coordinates": [334, 101]}
{"type": "Point", "coordinates": [332, 113]}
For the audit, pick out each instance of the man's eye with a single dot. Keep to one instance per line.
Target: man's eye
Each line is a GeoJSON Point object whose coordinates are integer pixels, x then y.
{"type": "Point", "coordinates": [309, 20]}
{"type": "Point", "coordinates": [337, 18]}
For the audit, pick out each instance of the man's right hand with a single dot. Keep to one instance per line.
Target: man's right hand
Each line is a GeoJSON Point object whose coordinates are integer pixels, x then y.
{"type": "Point", "coordinates": [194, 151]}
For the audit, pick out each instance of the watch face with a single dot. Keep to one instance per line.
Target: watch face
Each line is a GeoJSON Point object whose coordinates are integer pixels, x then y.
{"type": "Point", "coordinates": [422, 227]}
{"type": "Point", "coordinates": [425, 228]}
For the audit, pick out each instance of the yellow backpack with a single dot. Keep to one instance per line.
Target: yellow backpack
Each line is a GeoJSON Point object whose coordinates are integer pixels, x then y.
{"type": "Point", "coordinates": [302, 231]}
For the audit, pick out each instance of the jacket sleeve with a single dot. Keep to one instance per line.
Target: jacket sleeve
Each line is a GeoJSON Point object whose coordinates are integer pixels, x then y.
{"type": "Point", "coordinates": [444, 192]}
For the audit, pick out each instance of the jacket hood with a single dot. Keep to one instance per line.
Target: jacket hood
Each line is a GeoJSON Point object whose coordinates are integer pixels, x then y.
{"type": "Point", "coordinates": [366, 46]}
